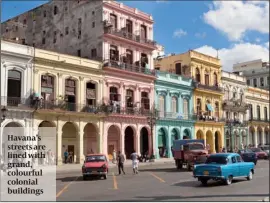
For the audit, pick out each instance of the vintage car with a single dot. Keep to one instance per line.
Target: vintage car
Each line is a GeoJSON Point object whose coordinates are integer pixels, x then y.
{"type": "Point", "coordinates": [260, 153]}
{"type": "Point", "coordinates": [248, 155]}
{"type": "Point", "coordinates": [223, 167]}
{"type": "Point", "coordinates": [95, 165]}
{"type": "Point", "coordinates": [265, 148]}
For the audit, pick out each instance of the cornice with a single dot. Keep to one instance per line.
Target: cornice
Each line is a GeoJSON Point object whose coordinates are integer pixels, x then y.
{"type": "Point", "coordinates": [212, 65]}
{"type": "Point", "coordinates": [169, 84]}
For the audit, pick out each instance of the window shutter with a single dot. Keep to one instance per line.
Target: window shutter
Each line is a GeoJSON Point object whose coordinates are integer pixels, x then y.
{"type": "Point", "coordinates": [185, 108]}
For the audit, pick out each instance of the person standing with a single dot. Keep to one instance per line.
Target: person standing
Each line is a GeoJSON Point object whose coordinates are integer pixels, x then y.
{"type": "Point", "coordinates": [66, 156]}
{"type": "Point", "coordinates": [135, 162]}
{"type": "Point", "coordinates": [114, 157]}
{"type": "Point", "coordinates": [121, 160]}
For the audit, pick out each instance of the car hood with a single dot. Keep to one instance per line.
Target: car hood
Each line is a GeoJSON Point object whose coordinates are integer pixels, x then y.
{"type": "Point", "coordinates": [94, 164]}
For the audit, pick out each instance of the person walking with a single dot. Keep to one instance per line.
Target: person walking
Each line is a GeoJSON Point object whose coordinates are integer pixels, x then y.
{"type": "Point", "coordinates": [121, 160]}
{"type": "Point", "coordinates": [66, 156]}
{"type": "Point", "coordinates": [135, 162]}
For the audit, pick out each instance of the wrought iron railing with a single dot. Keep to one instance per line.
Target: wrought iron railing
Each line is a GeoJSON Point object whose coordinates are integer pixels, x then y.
{"type": "Point", "coordinates": [174, 116]}
{"type": "Point", "coordinates": [260, 119]}
{"type": "Point", "coordinates": [128, 67]}
{"type": "Point", "coordinates": [200, 117]}
{"type": "Point", "coordinates": [16, 102]}
{"type": "Point", "coordinates": [208, 87]}
{"type": "Point", "coordinates": [114, 110]}
{"type": "Point", "coordinates": [124, 34]}
{"type": "Point", "coordinates": [236, 123]}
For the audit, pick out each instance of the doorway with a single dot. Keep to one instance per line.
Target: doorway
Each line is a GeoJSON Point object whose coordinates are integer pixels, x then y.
{"type": "Point", "coordinates": [14, 88]}
{"type": "Point", "coordinates": [129, 141]}
{"type": "Point", "coordinates": [144, 141]}
{"type": "Point", "coordinates": [71, 150]}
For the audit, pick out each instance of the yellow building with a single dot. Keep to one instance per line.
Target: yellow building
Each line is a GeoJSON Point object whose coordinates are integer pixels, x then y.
{"type": "Point", "coordinates": [208, 96]}
{"type": "Point", "coordinates": [68, 92]}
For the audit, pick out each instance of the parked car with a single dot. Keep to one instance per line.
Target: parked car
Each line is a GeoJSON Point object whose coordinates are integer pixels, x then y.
{"type": "Point", "coordinates": [95, 165]}
{"type": "Point", "coordinates": [248, 155]}
{"type": "Point", "coordinates": [266, 149]}
{"type": "Point", "coordinates": [223, 167]}
{"type": "Point", "coordinates": [260, 153]}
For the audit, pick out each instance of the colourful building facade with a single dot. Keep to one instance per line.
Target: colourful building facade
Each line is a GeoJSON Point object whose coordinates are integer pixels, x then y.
{"type": "Point", "coordinates": [174, 102]}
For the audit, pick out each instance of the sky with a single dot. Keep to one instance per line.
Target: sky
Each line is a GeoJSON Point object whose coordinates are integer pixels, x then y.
{"type": "Point", "coordinates": [239, 30]}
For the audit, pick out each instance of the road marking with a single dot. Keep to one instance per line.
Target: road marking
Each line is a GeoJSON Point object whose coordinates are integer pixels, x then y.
{"type": "Point", "coordinates": [65, 187]}
{"type": "Point", "coordinates": [115, 186]}
{"type": "Point", "coordinates": [160, 179]}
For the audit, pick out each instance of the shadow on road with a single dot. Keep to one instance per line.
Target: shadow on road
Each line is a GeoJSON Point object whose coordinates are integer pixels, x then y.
{"type": "Point", "coordinates": [184, 198]}
{"type": "Point", "coordinates": [163, 170]}
{"type": "Point", "coordinates": [80, 179]}
{"type": "Point", "coordinates": [209, 184]}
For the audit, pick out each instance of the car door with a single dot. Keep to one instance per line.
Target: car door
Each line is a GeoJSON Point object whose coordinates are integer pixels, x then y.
{"type": "Point", "coordinates": [241, 166]}
{"type": "Point", "coordinates": [235, 167]}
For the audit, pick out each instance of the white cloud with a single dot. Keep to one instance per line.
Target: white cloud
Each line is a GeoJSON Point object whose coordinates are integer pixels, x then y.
{"type": "Point", "coordinates": [179, 33]}
{"type": "Point", "coordinates": [237, 53]}
{"type": "Point", "coordinates": [235, 18]}
{"type": "Point", "coordinates": [257, 40]}
{"type": "Point", "coordinates": [200, 35]}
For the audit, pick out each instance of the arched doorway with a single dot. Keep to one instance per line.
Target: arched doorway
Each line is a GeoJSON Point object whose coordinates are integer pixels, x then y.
{"type": "Point", "coordinates": [174, 136]}
{"type": "Point", "coordinates": [199, 135]}
{"type": "Point", "coordinates": [186, 134]}
{"type": "Point", "coordinates": [162, 147]}
{"type": "Point", "coordinates": [90, 141]}
{"type": "Point", "coordinates": [218, 142]}
{"type": "Point", "coordinates": [252, 136]}
{"type": "Point", "coordinates": [129, 141]}
{"type": "Point", "coordinates": [266, 134]}
{"type": "Point", "coordinates": [8, 129]}
{"type": "Point", "coordinates": [69, 140]}
{"type": "Point", "coordinates": [144, 141]}
{"type": "Point", "coordinates": [209, 141]}
{"type": "Point", "coordinates": [259, 136]}
{"type": "Point", "coordinates": [14, 87]}
{"type": "Point", "coordinates": [113, 141]}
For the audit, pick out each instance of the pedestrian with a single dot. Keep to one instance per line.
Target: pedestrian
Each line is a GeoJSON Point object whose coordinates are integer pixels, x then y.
{"type": "Point", "coordinates": [120, 161]}
{"type": "Point", "coordinates": [66, 156]}
{"type": "Point", "coordinates": [135, 162]}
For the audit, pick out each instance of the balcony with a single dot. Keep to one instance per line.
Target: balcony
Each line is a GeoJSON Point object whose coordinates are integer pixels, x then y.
{"type": "Point", "coordinates": [235, 123]}
{"type": "Point", "coordinates": [109, 30]}
{"type": "Point", "coordinates": [260, 120]}
{"type": "Point", "coordinates": [16, 103]}
{"type": "Point", "coordinates": [128, 67]}
{"type": "Point", "coordinates": [208, 87]}
{"type": "Point", "coordinates": [235, 106]}
{"type": "Point", "coordinates": [203, 117]}
{"type": "Point", "coordinates": [174, 116]}
{"type": "Point", "coordinates": [131, 111]}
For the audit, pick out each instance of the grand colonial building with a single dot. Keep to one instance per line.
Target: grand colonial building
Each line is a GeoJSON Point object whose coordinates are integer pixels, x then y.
{"type": "Point", "coordinates": [16, 86]}
{"type": "Point", "coordinates": [258, 115]}
{"type": "Point", "coordinates": [174, 101]}
{"type": "Point", "coordinates": [67, 95]}
{"type": "Point", "coordinates": [235, 110]}
{"type": "Point", "coordinates": [206, 73]}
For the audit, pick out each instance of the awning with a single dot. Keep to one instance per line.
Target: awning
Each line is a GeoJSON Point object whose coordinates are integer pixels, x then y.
{"type": "Point", "coordinates": [209, 107]}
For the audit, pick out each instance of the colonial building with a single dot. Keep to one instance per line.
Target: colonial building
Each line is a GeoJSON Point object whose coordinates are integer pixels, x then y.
{"type": "Point", "coordinates": [258, 114]}
{"type": "Point", "coordinates": [68, 94]}
{"type": "Point", "coordinates": [256, 72]}
{"type": "Point", "coordinates": [206, 73]}
{"type": "Point", "coordinates": [16, 88]}
{"type": "Point", "coordinates": [235, 110]}
{"type": "Point", "coordinates": [174, 101]}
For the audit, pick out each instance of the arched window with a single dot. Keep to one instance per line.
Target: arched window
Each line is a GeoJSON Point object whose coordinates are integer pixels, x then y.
{"type": "Point", "coordinates": [145, 101]}
{"type": "Point", "coordinates": [185, 108]}
{"type": "Point", "coordinates": [55, 10]}
{"type": "Point", "coordinates": [161, 106]}
{"type": "Point", "coordinates": [258, 112]}
{"type": "Point", "coordinates": [265, 114]}
{"type": "Point", "coordinates": [217, 110]}
{"type": "Point", "coordinates": [250, 111]}
{"type": "Point", "coordinates": [234, 96]}
{"type": "Point", "coordinates": [14, 87]}
{"type": "Point", "coordinates": [70, 97]}
{"type": "Point", "coordinates": [215, 80]}
{"type": "Point", "coordinates": [199, 106]}
{"type": "Point", "coordinates": [129, 98]}
{"type": "Point", "coordinates": [206, 78]}
{"type": "Point", "coordinates": [174, 105]}
{"type": "Point", "coordinates": [47, 87]}
{"type": "Point", "coordinates": [91, 93]}
{"type": "Point", "coordinates": [114, 96]}
{"type": "Point", "coordinates": [198, 75]}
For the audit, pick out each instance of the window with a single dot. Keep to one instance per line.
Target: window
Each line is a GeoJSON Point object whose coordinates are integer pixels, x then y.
{"type": "Point", "coordinates": [55, 10]}
{"type": "Point", "coordinates": [208, 112]}
{"type": "Point", "coordinates": [206, 78]}
{"type": "Point", "coordinates": [262, 82]}
{"type": "Point", "coordinates": [227, 93]}
{"type": "Point", "coordinates": [129, 98]}
{"type": "Point", "coordinates": [91, 93]}
{"type": "Point", "coordinates": [24, 21]}
{"type": "Point", "coordinates": [161, 106]}
{"type": "Point", "coordinates": [268, 80]}
{"type": "Point", "coordinates": [16, 28]}
{"type": "Point", "coordinates": [238, 158]}
{"type": "Point", "coordinates": [227, 115]}
{"type": "Point", "coordinates": [6, 29]}
{"type": "Point", "coordinates": [114, 96]}
{"type": "Point", "coordinates": [198, 75]}
{"type": "Point", "coordinates": [129, 26]}
{"type": "Point", "coordinates": [79, 53]}
{"type": "Point", "coordinates": [66, 30]}
{"type": "Point", "coordinates": [23, 41]}
{"type": "Point", "coordinates": [93, 53]}
{"type": "Point", "coordinates": [174, 105]}
{"type": "Point", "coordinates": [93, 12]}
{"type": "Point", "coordinates": [258, 112]}
{"type": "Point", "coordinates": [199, 106]}
{"type": "Point", "coordinates": [265, 114]}
{"type": "Point", "coordinates": [255, 82]}
{"type": "Point", "coordinates": [217, 110]}
{"type": "Point", "coordinates": [145, 101]}
{"type": "Point", "coordinates": [250, 112]}
{"type": "Point", "coordinates": [216, 160]}
{"type": "Point", "coordinates": [113, 20]}
{"type": "Point", "coordinates": [79, 34]}
{"type": "Point", "coordinates": [129, 56]}
{"type": "Point", "coordinates": [44, 14]}
{"type": "Point", "coordinates": [114, 53]}
{"type": "Point", "coordinates": [178, 68]}
{"type": "Point", "coordinates": [185, 108]}
{"type": "Point", "coordinates": [234, 94]}
{"type": "Point", "coordinates": [215, 80]}
{"type": "Point", "coordinates": [93, 24]}
{"type": "Point", "coordinates": [233, 160]}
{"type": "Point", "coordinates": [248, 82]}
{"type": "Point", "coordinates": [143, 32]}
{"type": "Point", "coordinates": [54, 37]}
{"type": "Point", "coordinates": [157, 68]}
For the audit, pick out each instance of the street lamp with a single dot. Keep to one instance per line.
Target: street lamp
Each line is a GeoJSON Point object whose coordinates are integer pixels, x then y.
{"type": "Point", "coordinates": [3, 112]}
{"type": "Point", "coordinates": [151, 120]}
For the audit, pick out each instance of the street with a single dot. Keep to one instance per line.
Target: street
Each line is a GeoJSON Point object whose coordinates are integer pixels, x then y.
{"type": "Point", "coordinates": [160, 183]}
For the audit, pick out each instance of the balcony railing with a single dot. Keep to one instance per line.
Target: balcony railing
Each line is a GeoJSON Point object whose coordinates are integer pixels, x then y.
{"type": "Point", "coordinates": [236, 123]}
{"type": "Point", "coordinates": [136, 111]}
{"type": "Point", "coordinates": [130, 36]}
{"type": "Point", "coordinates": [16, 102]}
{"type": "Point", "coordinates": [200, 117]}
{"type": "Point", "coordinates": [128, 67]}
{"type": "Point", "coordinates": [260, 119]}
{"type": "Point", "coordinates": [235, 105]}
{"type": "Point", "coordinates": [174, 116]}
{"type": "Point", "coordinates": [208, 87]}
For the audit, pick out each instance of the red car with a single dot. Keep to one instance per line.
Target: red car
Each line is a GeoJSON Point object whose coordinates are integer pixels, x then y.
{"type": "Point", "coordinates": [259, 153]}
{"type": "Point", "coordinates": [95, 165]}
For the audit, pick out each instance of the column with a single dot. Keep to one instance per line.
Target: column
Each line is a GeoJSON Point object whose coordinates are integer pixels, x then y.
{"type": "Point", "coordinates": [255, 137]}
{"type": "Point", "coordinates": [167, 103]}
{"type": "Point", "coordinates": [213, 144]}
{"type": "Point", "coordinates": [247, 137]}
{"type": "Point", "coordinates": [80, 155]}
{"type": "Point", "coordinates": [190, 105]}
{"type": "Point", "coordinates": [59, 146]}
{"type": "Point", "coordinates": [138, 143]}
{"type": "Point", "coordinates": [180, 104]}
{"type": "Point", "coordinates": [263, 136]}
{"type": "Point", "coordinates": [122, 142]}
{"type": "Point", "coordinates": [156, 151]}
{"type": "Point", "coordinates": [169, 144]}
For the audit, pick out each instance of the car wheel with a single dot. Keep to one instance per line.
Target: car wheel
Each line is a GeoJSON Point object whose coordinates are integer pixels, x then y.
{"type": "Point", "coordinates": [250, 176]}
{"type": "Point", "coordinates": [179, 165]}
{"type": "Point", "coordinates": [189, 167]}
{"type": "Point", "coordinates": [84, 177]}
{"type": "Point", "coordinates": [105, 177]}
{"type": "Point", "coordinates": [228, 181]}
{"type": "Point", "coordinates": [204, 182]}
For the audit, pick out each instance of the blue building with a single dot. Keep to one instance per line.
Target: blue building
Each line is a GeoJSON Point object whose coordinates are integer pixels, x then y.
{"type": "Point", "coordinates": [174, 101]}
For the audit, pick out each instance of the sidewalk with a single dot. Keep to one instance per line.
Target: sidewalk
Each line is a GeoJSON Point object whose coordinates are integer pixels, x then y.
{"type": "Point", "coordinates": [75, 167]}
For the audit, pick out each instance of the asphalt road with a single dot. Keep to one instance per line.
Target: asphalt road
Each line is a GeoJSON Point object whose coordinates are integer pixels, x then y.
{"type": "Point", "coordinates": [161, 183]}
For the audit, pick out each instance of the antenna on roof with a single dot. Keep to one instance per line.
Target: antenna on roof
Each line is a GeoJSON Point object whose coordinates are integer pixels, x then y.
{"type": "Point", "coordinates": [217, 52]}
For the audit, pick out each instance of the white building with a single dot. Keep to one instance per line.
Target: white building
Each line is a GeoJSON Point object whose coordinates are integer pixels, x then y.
{"type": "Point", "coordinates": [234, 108]}
{"type": "Point", "coordinates": [256, 72]}
{"type": "Point", "coordinates": [159, 51]}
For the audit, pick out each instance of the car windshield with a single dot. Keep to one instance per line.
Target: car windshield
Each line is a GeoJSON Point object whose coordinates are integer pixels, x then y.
{"type": "Point", "coordinates": [246, 151]}
{"type": "Point", "coordinates": [195, 146]}
{"type": "Point", "coordinates": [216, 160]}
{"type": "Point", "coordinates": [96, 158]}
{"type": "Point", "coordinates": [256, 149]}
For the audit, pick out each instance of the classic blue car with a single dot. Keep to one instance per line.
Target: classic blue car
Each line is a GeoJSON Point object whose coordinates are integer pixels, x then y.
{"type": "Point", "coordinates": [248, 155]}
{"type": "Point", "coordinates": [223, 167]}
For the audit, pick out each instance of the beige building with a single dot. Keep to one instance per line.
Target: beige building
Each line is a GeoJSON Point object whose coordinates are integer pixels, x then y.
{"type": "Point", "coordinates": [258, 115]}
{"type": "Point", "coordinates": [68, 95]}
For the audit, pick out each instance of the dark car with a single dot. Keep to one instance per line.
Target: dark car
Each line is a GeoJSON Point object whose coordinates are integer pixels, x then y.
{"type": "Point", "coordinates": [260, 153]}
{"type": "Point", "coordinates": [266, 149]}
{"type": "Point", "coordinates": [248, 155]}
